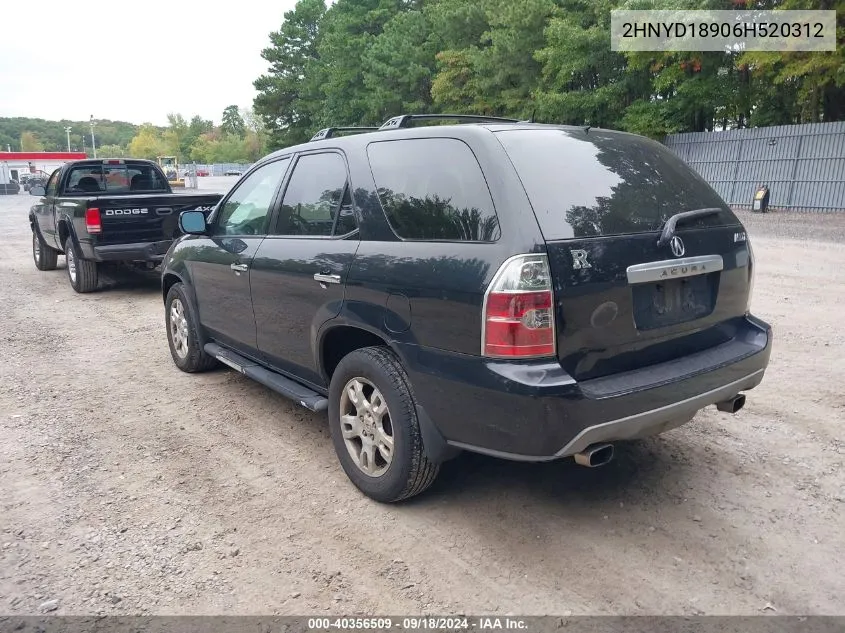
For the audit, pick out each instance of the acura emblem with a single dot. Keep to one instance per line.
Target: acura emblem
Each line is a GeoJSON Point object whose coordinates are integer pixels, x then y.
{"type": "Point", "coordinates": [677, 245]}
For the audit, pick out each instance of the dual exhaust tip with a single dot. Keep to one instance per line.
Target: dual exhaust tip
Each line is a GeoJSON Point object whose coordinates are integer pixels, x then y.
{"type": "Point", "coordinates": [600, 454]}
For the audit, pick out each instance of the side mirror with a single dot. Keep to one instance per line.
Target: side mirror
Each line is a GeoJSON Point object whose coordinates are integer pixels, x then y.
{"type": "Point", "coordinates": [192, 222]}
{"type": "Point", "coordinates": [37, 191]}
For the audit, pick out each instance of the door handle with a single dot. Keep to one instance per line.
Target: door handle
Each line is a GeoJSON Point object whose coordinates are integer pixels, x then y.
{"type": "Point", "coordinates": [327, 279]}
{"type": "Point", "coordinates": [239, 268]}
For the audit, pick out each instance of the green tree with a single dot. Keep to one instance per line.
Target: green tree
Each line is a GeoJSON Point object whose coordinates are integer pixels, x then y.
{"type": "Point", "coordinates": [232, 121]}
{"type": "Point", "coordinates": [583, 81]}
{"type": "Point", "coordinates": [348, 30]}
{"type": "Point", "coordinates": [30, 143]}
{"type": "Point", "coordinates": [399, 66]}
{"type": "Point", "coordinates": [507, 72]}
{"type": "Point", "coordinates": [288, 99]}
{"type": "Point", "coordinates": [148, 143]}
{"type": "Point", "coordinates": [112, 151]}
{"type": "Point", "coordinates": [815, 80]}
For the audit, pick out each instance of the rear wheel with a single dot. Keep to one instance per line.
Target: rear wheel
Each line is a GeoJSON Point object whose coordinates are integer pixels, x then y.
{"type": "Point", "coordinates": [45, 257]}
{"type": "Point", "coordinates": [82, 273]}
{"type": "Point", "coordinates": [183, 333]}
{"type": "Point", "coordinates": [374, 427]}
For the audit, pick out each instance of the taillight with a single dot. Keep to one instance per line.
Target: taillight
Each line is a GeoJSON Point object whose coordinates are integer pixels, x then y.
{"type": "Point", "coordinates": [92, 221]}
{"type": "Point", "coordinates": [518, 319]}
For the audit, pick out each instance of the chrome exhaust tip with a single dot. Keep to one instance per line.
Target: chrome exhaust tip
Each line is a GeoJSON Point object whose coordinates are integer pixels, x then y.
{"type": "Point", "coordinates": [595, 455]}
{"type": "Point", "coordinates": [731, 405]}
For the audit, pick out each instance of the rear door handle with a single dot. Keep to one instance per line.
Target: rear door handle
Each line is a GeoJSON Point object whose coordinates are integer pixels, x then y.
{"type": "Point", "coordinates": [327, 279]}
{"type": "Point", "coordinates": [239, 268]}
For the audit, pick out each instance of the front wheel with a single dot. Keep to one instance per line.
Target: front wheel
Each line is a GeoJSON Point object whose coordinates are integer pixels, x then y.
{"type": "Point", "coordinates": [45, 257]}
{"type": "Point", "coordinates": [374, 427]}
{"type": "Point", "coordinates": [183, 333]}
{"type": "Point", "coordinates": [83, 274]}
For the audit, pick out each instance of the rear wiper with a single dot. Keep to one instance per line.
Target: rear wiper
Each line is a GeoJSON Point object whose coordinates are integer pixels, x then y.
{"type": "Point", "coordinates": [669, 228]}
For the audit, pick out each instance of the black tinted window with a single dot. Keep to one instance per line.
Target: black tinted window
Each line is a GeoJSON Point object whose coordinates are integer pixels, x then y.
{"type": "Point", "coordinates": [114, 178]}
{"type": "Point", "coordinates": [313, 196]}
{"type": "Point", "coordinates": [582, 184]}
{"type": "Point", "coordinates": [245, 212]}
{"type": "Point", "coordinates": [433, 189]}
{"type": "Point", "coordinates": [346, 216]}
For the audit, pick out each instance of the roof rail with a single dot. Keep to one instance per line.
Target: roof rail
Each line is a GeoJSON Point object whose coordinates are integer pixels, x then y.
{"type": "Point", "coordinates": [329, 132]}
{"type": "Point", "coordinates": [403, 120]}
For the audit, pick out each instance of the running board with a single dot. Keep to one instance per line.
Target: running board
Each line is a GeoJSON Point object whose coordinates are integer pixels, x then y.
{"type": "Point", "coordinates": [308, 398]}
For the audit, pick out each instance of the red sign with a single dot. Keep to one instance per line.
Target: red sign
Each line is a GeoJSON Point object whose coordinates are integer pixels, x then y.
{"type": "Point", "coordinates": [31, 156]}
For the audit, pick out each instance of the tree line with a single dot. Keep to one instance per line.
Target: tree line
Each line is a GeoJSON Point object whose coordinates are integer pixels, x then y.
{"type": "Point", "coordinates": [359, 62]}
{"type": "Point", "coordinates": [240, 138]}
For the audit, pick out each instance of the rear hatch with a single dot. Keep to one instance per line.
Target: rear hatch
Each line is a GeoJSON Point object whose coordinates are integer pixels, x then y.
{"type": "Point", "coordinates": [624, 301]}
{"type": "Point", "coordinates": [131, 219]}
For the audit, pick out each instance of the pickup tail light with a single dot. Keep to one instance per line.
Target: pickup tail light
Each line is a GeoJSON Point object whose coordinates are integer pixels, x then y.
{"type": "Point", "coordinates": [518, 314]}
{"type": "Point", "coordinates": [92, 221]}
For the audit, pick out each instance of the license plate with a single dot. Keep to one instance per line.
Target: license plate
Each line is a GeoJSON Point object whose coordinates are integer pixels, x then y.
{"type": "Point", "coordinates": [674, 301]}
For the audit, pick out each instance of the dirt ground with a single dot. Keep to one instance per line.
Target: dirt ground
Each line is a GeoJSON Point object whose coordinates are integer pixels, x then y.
{"type": "Point", "coordinates": [130, 487]}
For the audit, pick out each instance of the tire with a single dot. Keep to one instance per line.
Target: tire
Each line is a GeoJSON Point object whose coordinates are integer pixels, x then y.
{"type": "Point", "coordinates": [408, 472]}
{"type": "Point", "coordinates": [183, 333]}
{"type": "Point", "coordinates": [82, 273]}
{"type": "Point", "coordinates": [45, 257]}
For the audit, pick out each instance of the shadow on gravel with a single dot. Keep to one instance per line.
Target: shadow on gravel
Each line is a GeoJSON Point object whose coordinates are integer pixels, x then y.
{"type": "Point", "coordinates": [139, 283]}
{"type": "Point", "coordinates": [645, 465]}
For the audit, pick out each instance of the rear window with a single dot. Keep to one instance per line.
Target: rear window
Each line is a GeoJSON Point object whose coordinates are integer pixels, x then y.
{"type": "Point", "coordinates": [604, 183]}
{"type": "Point", "coordinates": [114, 179]}
{"type": "Point", "coordinates": [433, 189]}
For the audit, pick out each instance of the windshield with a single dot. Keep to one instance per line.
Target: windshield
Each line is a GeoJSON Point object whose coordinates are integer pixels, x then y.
{"type": "Point", "coordinates": [117, 178]}
{"type": "Point", "coordinates": [583, 184]}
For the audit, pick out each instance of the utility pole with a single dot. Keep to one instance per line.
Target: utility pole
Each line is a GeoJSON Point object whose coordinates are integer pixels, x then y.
{"type": "Point", "coordinates": [67, 131]}
{"type": "Point", "coordinates": [93, 143]}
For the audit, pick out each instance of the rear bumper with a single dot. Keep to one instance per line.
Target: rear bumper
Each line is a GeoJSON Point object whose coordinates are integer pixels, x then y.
{"type": "Point", "coordinates": [534, 411]}
{"type": "Point", "coordinates": [135, 252]}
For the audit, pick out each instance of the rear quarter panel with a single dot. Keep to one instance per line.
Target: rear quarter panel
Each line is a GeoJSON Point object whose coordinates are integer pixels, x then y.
{"type": "Point", "coordinates": [438, 285]}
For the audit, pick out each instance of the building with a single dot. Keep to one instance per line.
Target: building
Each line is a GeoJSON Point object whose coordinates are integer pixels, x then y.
{"type": "Point", "coordinates": [15, 164]}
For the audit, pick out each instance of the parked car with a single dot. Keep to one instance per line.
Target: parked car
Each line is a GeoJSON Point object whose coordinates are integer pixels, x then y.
{"type": "Point", "coordinates": [112, 210]}
{"type": "Point", "coordinates": [233, 172]}
{"type": "Point", "coordinates": [33, 181]}
{"type": "Point", "coordinates": [527, 291]}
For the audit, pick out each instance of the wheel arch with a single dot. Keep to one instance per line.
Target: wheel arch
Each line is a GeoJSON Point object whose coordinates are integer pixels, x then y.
{"type": "Point", "coordinates": [338, 340]}
{"type": "Point", "coordinates": [64, 230]}
{"type": "Point", "coordinates": [170, 278]}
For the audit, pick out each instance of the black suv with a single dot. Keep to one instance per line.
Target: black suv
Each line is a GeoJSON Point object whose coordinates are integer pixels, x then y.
{"type": "Point", "coordinates": [526, 291]}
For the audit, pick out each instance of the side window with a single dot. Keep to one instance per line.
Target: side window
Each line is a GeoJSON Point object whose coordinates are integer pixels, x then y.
{"type": "Point", "coordinates": [53, 183]}
{"type": "Point", "coordinates": [313, 197]}
{"type": "Point", "coordinates": [245, 212]}
{"type": "Point", "coordinates": [433, 189]}
{"type": "Point", "coordinates": [346, 216]}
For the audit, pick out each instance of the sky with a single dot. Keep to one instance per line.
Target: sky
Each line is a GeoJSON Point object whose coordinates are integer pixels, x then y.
{"type": "Point", "coordinates": [132, 61]}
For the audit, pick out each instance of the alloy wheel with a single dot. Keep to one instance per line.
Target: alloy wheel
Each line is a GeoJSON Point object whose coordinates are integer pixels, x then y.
{"type": "Point", "coordinates": [178, 328]}
{"type": "Point", "coordinates": [366, 426]}
{"type": "Point", "coordinates": [71, 265]}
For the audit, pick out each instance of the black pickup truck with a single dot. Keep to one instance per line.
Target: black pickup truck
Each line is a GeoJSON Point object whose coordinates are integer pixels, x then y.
{"type": "Point", "coordinates": [112, 210]}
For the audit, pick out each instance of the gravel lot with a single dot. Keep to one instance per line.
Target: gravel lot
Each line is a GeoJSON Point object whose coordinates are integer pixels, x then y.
{"type": "Point", "coordinates": [130, 487]}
